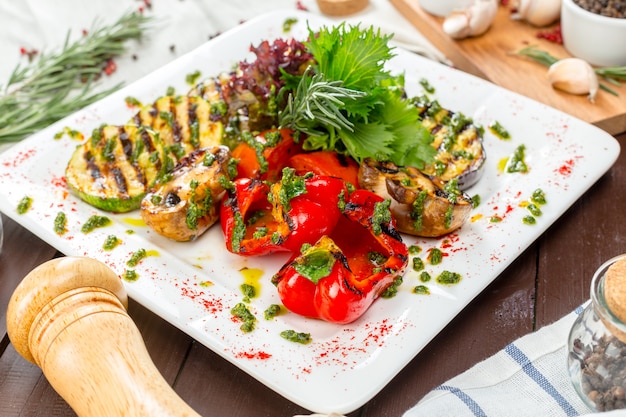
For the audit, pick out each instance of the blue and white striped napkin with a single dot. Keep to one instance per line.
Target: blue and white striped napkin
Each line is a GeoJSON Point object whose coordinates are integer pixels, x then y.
{"type": "Point", "coordinates": [527, 378]}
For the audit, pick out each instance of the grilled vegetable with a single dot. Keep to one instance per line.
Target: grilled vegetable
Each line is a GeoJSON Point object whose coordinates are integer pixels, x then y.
{"type": "Point", "coordinates": [264, 156]}
{"type": "Point", "coordinates": [459, 144]}
{"type": "Point", "coordinates": [258, 218]}
{"type": "Point", "coordinates": [186, 204]}
{"type": "Point", "coordinates": [114, 167]}
{"type": "Point", "coordinates": [184, 123]}
{"type": "Point", "coordinates": [339, 277]}
{"type": "Point", "coordinates": [421, 206]}
{"type": "Point", "coordinates": [328, 163]}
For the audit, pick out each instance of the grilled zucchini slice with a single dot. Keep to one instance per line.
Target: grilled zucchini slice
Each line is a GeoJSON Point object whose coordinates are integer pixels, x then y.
{"type": "Point", "coordinates": [116, 166]}
{"type": "Point", "coordinates": [459, 144]}
{"type": "Point", "coordinates": [184, 123]}
{"type": "Point", "coordinates": [113, 169]}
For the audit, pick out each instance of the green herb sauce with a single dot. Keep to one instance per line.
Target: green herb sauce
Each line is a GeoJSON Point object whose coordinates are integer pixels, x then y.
{"type": "Point", "coordinates": [132, 102]}
{"type": "Point", "coordinates": [427, 86]}
{"type": "Point", "coordinates": [238, 233]}
{"type": "Point", "coordinates": [382, 215]}
{"type": "Point", "coordinates": [130, 275]}
{"type": "Point", "coordinates": [497, 129]}
{"type": "Point", "coordinates": [392, 290]}
{"type": "Point", "coordinates": [538, 197]}
{"type": "Point", "coordinates": [198, 208]}
{"type": "Point", "coordinates": [291, 186]}
{"type": "Point", "coordinates": [60, 223]}
{"type": "Point", "coordinates": [192, 78]}
{"type": "Point", "coordinates": [376, 258]}
{"type": "Point", "coordinates": [414, 249]}
{"type": "Point", "coordinates": [448, 278]}
{"type": "Point", "coordinates": [315, 264]}
{"type": "Point", "coordinates": [95, 222]}
{"type": "Point", "coordinates": [248, 292]}
{"type": "Point", "coordinates": [111, 242]}
{"type": "Point", "coordinates": [425, 276]}
{"type": "Point", "coordinates": [418, 264]}
{"type": "Point", "coordinates": [242, 312]}
{"type": "Point", "coordinates": [534, 209]}
{"type": "Point", "coordinates": [226, 183]}
{"type": "Point", "coordinates": [516, 162]}
{"type": "Point", "coordinates": [137, 257]}
{"type": "Point", "coordinates": [24, 205]}
{"type": "Point", "coordinates": [417, 210]}
{"type": "Point", "coordinates": [296, 337]}
{"type": "Point", "coordinates": [421, 289]}
{"type": "Point", "coordinates": [435, 256]}
{"type": "Point", "coordinates": [447, 221]}
{"type": "Point", "coordinates": [272, 311]}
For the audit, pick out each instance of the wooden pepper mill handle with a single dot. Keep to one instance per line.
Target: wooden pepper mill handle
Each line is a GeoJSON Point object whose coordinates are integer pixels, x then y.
{"type": "Point", "coordinates": [68, 316]}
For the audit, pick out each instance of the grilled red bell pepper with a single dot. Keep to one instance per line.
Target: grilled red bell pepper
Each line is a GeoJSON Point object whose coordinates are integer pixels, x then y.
{"type": "Point", "coordinates": [339, 277]}
{"type": "Point", "coordinates": [328, 163]}
{"type": "Point", "coordinates": [258, 218]}
{"type": "Point", "coordinates": [265, 155]}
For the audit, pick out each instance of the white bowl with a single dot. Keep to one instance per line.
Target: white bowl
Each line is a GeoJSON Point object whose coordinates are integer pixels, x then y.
{"type": "Point", "coordinates": [443, 8]}
{"type": "Point", "coordinates": [597, 39]}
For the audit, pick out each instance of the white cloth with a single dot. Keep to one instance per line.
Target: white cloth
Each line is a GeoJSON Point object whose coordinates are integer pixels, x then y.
{"type": "Point", "coordinates": [527, 378]}
{"type": "Point", "coordinates": [184, 24]}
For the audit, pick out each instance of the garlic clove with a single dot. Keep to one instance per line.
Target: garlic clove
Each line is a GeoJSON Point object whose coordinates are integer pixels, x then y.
{"type": "Point", "coordinates": [457, 25]}
{"type": "Point", "coordinates": [538, 12]}
{"type": "Point", "coordinates": [574, 76]}
{"type": "Point", "coordinates": [474, 20]}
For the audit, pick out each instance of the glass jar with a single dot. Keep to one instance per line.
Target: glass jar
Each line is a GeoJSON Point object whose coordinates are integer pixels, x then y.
{"type": "Point", "coordinates": [597, 350]}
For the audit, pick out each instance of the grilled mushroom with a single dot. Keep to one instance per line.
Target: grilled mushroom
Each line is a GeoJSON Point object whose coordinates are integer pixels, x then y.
{"type": "Point", "coordinates": [421, 206]}
{"type": "Point", "coordinates": [187, 204]}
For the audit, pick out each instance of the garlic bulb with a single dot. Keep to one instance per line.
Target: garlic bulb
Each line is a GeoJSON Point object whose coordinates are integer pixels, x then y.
{"type": "Point", "coordinates": [471, 21]}
{"type": "Point", "coordinates": [538, 12]}
{"type": "Point", "coordinates": [574, 76]}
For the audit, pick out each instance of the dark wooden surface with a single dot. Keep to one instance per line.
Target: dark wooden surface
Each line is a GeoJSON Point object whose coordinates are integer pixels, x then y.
{"type": "Point", "coordinates": [545, 282]}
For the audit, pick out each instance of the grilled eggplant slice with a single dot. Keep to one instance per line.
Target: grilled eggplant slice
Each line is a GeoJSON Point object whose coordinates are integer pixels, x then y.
{"type": "Point", "coordinates": [421, 206]}
{"type": "Point", "coordinates": [459, 144]}
{"type": "Point", "coordinates": [114, 167]}
{"type": "Point", "coordinates": [186, 204]}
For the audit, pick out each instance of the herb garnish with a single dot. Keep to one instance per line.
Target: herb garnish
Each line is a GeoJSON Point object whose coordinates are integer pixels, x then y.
{"type": "Point", "coordinates": [349, 103]}
{"type": "Point", "coordinates": [56, 85]}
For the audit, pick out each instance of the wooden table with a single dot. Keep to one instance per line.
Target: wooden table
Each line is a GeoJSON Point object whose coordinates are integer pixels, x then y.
{"type": "Point", "coordinates": [547, 281]}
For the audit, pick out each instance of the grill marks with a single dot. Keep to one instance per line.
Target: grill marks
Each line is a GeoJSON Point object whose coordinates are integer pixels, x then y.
{"type": "Point", "coordinates": [117, 164]}
{"type": "Point", "coordinates": [120, 163]}
{"type": "Point", "coordinates": [179, 121]}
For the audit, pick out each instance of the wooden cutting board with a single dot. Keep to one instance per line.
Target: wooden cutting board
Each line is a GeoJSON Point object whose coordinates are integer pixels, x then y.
{"type": "Point", "coordinates": [491, 56]}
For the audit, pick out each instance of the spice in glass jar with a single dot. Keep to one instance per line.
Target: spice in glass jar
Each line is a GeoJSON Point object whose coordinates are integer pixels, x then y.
{"type": "Point", "coordinates": [597, 340]}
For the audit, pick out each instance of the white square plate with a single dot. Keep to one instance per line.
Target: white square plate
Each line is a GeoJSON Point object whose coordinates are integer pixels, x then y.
{"type": "Point", "coordinates": [194, 285]}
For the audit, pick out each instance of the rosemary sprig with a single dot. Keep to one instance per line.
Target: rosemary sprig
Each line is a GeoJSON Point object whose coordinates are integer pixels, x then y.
{"type": "Point", "coordinates": [316, 101]}
{"type": "Point", "coordinates": [612, 75]}
{"type": "Point", "coordinates": [56, 85]}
